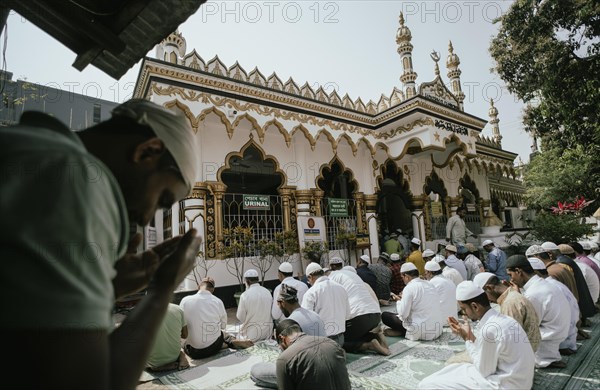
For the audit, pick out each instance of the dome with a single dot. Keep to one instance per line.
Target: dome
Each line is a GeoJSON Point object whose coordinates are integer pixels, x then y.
{"type": "Point", "coordinates": [403, 34]}
{"type": "Point", "coordinates": [453, 61]}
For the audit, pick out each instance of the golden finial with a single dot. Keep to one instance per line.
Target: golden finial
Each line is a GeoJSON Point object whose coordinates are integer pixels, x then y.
{"type": "Point", "coordinates": [435, 56]}
{"type": "Point", "coordinates": [401, 19]}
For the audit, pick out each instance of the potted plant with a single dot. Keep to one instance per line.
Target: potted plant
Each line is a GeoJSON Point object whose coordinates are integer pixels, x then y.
{"type": "Point", "coordinates": [267, 252]}
{"type": "Point", "coordinates": [313, 250]}
{"type": "Point", "coordinates": [237, 245]}
{"type": "Point", "coordinates": [289, 243]}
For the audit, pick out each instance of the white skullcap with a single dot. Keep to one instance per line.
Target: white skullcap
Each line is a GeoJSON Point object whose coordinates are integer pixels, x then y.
{"type": "Point", "coordinates": [394, 257]}
{"type": "Point", "coordinates": [593, 245]}
{"type": "Point", "coordinates": [325, 270]}
{"type": "Point", "coordinates": [286, 267]}
{"type": "Point", "coordinates": [432, 266]}
{"type": "Point", "coordinates": [550, 246]}
{"type": "Point", "coordinates": [438, 258]}
{"type": "Point", "coordinates": [336, 260]}
{"type": "Point", "coordinates": [366, 259]}
{"type": "Point", "coordinates": [467, 290]}
{"type": "Point", "coordinates": [407, 267]}
{"type": "Point", "coordinates": [534, 250]}
{"type": "Point", "coordinates": [416, 241]}
{"type": "Point", "coordinates": [313, 267]}
{"type": "Point", "coordinates": [482, 278]}
{"type": "Point", "coordinates": [349, 268]}
{"type": "Point", "coordinates": [585, 245]}
{"type": "Point", "coordinates": [251, 273]}
{"type": "Point", "coordinates": [428, 253]}
{"type": "Point", "coordinates": [172, 128]}
{"type": "Point", "coordinates": [536, 263]}
{"type": "Point", "coordinates": [487, 242]}
{"type": "Point", "coordinates": [451, 248]}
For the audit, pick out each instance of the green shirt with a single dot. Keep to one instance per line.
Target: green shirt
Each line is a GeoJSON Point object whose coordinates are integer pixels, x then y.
{"type": "Point", "coordinates": [168, 340]}
{"type": "Point", "coordinates": [63, 224]}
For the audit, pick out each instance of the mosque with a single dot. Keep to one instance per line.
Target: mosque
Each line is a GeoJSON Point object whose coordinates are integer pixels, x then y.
{"type": "Point", "coordinates": [274, 152]}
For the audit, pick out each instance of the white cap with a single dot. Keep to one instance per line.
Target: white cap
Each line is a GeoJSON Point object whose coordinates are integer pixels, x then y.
{"type": "Point", "coordinates": [534, 250]}
{"type": "Point", "coordinates": [366, 259]}
{"type": "Point", "coordinates": [487, 242]}
{"type": "Point", "coordinates": [432, 265]}
{"type": "Point", "coordinates": [467, 290]}
{"type": "Point", "coordinates": [550, 246]}
{"type": "Point", "coordinates": [593, 245]}
{"type": "Point", "coordinates": [349, 268]}
{"type": "Point", "coordinates": [407, 267]}
{"type": "Point", "coordinates": [585, 245]}
{"type": "Point", "coordinates": [428, 253]}
{"type": "Point", "coordinates": [416, 241]}
{"type": "Point", "coordinates": [536, 263]}
{"type": "Point", "coordinates": [251, 273]}
{"type": "Point", "coordinates": [286, 267]}
{"type": "Point", "coordinates": [438, 258]}
{"type": "Point", "coordinates": [336, 260]}
{"type": "Point", "coordinates": [172, 128]}
{"type": "Point", "coordinates": [313, 267]}
{"type": "Point", "coordinates": [451, 248]}
{"type": "Point", "coordinates": [394, 257]}
{"type": "Point", "coordinates": [482, 278]}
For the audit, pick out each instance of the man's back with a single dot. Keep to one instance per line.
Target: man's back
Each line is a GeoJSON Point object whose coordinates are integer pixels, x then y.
{"type": "Point", "coordinates": [419, 310]}
{"type": "Point", "coordinates": [446, 292]}
{"type": "Point", "coordinates": [383, 274]}
{"type": "Point", "coordinates": [205, 316]}
{"type": "Point", "coordinates": [454, 262]}
{"type": "Point", "coordinates": [254, 311]}
{"type": "Point", "coordinates": [300, 287]}
{"type": "Point", "coordinates": [516, 306]}
{"type": "Point", "coordinates": [330, 301]}
{"type": "Point", "coordinates": [168, 340]}
{"type": "Point", "coordinates": [360, 300]}
{"type": "Point", "coordinates": [312, 363]}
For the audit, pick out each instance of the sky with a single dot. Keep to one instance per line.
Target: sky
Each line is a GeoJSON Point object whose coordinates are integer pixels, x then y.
{"type": "Point", "coordinates": [346, 45]}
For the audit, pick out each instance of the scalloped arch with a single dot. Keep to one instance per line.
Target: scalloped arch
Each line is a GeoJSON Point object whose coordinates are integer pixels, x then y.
{"type": "Point", "coordinates": [329, 137]}
{"type": "Point", "coordinates": [311, 140]}
{"type": "Point", "coordinates": [194, 121]}
{"type": "Point", "coordinates": [252, 121]}
{"type": "Point", "coordinates": [275, 123]}
{"type": "Point", "coordinates": [221, 115]}
{"type": "Point", "coordinates": [364, 141]}
{"type": "Point", "coordinates": [350, 142]}
{"type": "Point", "coordinates": [344, 169]}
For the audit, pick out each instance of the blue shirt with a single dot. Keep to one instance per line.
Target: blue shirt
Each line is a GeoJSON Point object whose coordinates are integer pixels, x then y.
{"type": "Point", "coordinates": [496, 263]}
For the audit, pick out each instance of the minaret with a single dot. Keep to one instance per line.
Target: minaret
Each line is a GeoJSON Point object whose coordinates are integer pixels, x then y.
{"type": "Point", "coordinates": [172, 48]}
{"type": "Point", "coordinates": [409, 76]}
{"type": "Point", "coordinates": [493, 113]}
{"type": "Point", "coordinates": [454, 75]}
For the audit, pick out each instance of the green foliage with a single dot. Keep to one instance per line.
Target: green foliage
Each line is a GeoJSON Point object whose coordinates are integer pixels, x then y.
{"type": "Point", "coordinates": [559, 228]}
{"type": "Point", "coordinates": [289, 242]}
{"type": "Point", "coordinates": [313, 250]}
{"type": "Point", "coordinates": [557, 175]}
{"type": "Point", "coordinates": [268, 251]}
{"type": "Point", "coordinates": [236, 247]}
{"type": "Point", "coordinates": [547, 51]}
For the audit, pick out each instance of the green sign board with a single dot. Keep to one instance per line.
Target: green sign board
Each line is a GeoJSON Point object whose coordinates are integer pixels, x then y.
{"type": "Point", "coordinates": [257, 202]}
{"type": "Point", "coordinates": [338, 207]}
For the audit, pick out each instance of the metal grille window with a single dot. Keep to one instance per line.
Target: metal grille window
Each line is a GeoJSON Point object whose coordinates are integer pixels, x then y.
{"type": "Point", "coordinates": [473, 219]}
{"type": "Point", "coordinates": [264, 222]}
{"type": "Point", "coordinates": [438, 227]}
{"type": "Point", "coordinates": [335, 224]}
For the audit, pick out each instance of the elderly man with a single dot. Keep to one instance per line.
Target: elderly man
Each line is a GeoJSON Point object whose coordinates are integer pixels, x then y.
{"type": "Point", "coordinates": [364, 271]}
{"type": "Point", "coordinates": [550, 305]}
{"type": "Point", "coordinates": [254, 310]}
{"type": "Point", "coordinates": [83, 190]}
{"type": "Point", "coordinates": [456, 229]}
{"type": "Point", "coordinates": [365, 315]}
{"type": "Point", "coordinates": [446, 289]}
{"type": "Point", "coordinates": [383, 275]}
{"type": "Point", "coordinates": [419, 316]}
{"type": "Point", "coordinates": [454, 262]}
{"type": "Point", "coordinates": [501, 355]}
{"type": "Point", "coordinates": [569, 346]}
{"type": "Point", "coordinates": [512, 304]}
{"type": "Point", "coordinates": [496, 259]}
{"type": "Point", "coordinates": [329, 300]}
{"type": "Point", "coordinates": [415, 256]}
{"type": "Point", "coordinates": [285, 274]}
{"type": "Point", "coordinates": [207, 319]}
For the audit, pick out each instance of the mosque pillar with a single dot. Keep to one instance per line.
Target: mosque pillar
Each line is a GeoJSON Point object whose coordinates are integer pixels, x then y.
{"type": "Point", "coordinates": [192, 211]}
{"type": "Point", "coordinates": [286, 198]}
{"type": "Point", "coordinates": [418, 217]}
{"type": "Point", "coordinates": [318, 199]}
{"type": "Point", "coordinates": [303, 201]}
{"type": "Point", "coordinates": [371, 218]}
{"type": "Point", "coordinates": [218, 190]}
{"type": "Point", "coordinates": [359, 198]}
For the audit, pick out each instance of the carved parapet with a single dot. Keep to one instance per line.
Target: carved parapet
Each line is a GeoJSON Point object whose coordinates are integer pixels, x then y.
{"type": "Point", "coordinates": [199, 190]}
{"type": "Point", "coordinates": [303, 196]}
{"type": "Point", "coordinates": [418, 201]}
{"type": "Point", "coordinates": [371, 203]}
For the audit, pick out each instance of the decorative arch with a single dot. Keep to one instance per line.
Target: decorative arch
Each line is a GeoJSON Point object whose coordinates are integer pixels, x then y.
{"type": "Point", "coordinates": [329, 137]}
{"type": "Point", "coordinates": [350, 142]}
{"type": "Point", "coordinates": [394, 199]}
{"type": "Point", "coordinates": [222, 117]}
{"type": "Point", "coordinates": [336, 180]}
{"type": "Point", "coordinates": [311, 140]}
{"type": "Point", "coordinates": [366, 142]}
{"type": "Point", "coordinates": [434, 184]}
{"type": "Point", "coordinates": [466, 183]}
{"type": "Point", "coordinates": [255, 126]}
{"type": "Point", "coordinates": [194, 121]}
{"type": "Point", "coordinates": [275, 123]}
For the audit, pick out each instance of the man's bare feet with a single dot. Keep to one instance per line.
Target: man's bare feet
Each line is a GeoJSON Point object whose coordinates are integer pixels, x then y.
{"type": "Point", "coordinates": [242, 344]}
{"type": "Point", "coordinates": [381, 339]}
{"type": "Point", "coordinates": [183, 361]}
{"type": "Point", "coordinates": [392, 333]}
{"type": "Point", "coordinates": [377, 347]}
{"type": "Point", "coordinates": [383, 302]}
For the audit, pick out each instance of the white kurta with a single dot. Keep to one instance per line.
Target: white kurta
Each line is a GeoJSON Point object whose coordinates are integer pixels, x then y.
{"type": "Point", "coordinates": [205, 316]}
{"type": "Point", "coordinates": [420, 312]}
{"type": "Point", "coordinates": [501, 354]}
{"type": "Point", "coordinates": [301, 287]}
{"type": "Point", "coordinates": [360, 300]}
{"type": "Point", "coordinates": [571, 340]}
{"type": "Point", "coordinates": [452, 275]}
{"type": "Point", "coordinates": [330, 301]}
{"type": "Point", "coordinates": [591, 279]}
{"type": "Point", "coordinates": [550, 305]}
{"type": "Point", "coordinates": [254, 312]}
{"type": "Point", "coordinates": [446, 291]}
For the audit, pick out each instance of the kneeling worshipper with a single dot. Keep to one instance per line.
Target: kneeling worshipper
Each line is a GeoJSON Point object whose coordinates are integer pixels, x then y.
{"type": "Point", "coordinates": [419, 316]}
{"type": "Point", "coordinates": [498, 346]}
{"type": "Point", "coordinates": [446, 289]}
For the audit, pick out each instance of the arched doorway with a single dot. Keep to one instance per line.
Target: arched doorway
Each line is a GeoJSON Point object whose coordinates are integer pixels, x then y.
{"type": "Point", "coordinates": [438, 209]}
{"type": "Point", "coordinates": [338, 207]}
{"type": "Point", "coordinates": [393, 201]}
{"type": "Point", "coordinates": [470, 200]}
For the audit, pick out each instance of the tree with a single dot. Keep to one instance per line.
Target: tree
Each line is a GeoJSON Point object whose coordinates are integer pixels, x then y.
{"type": "Point", "coordinates": [236, 247]}
{"type": "Point", "coordinates": [268, 251]}
{"type": "Point", "coordinates": [547, 52]}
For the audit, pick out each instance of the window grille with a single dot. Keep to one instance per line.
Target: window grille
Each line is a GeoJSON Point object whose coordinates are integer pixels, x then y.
{"type": "Point", "coordinates": [335, 224]}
